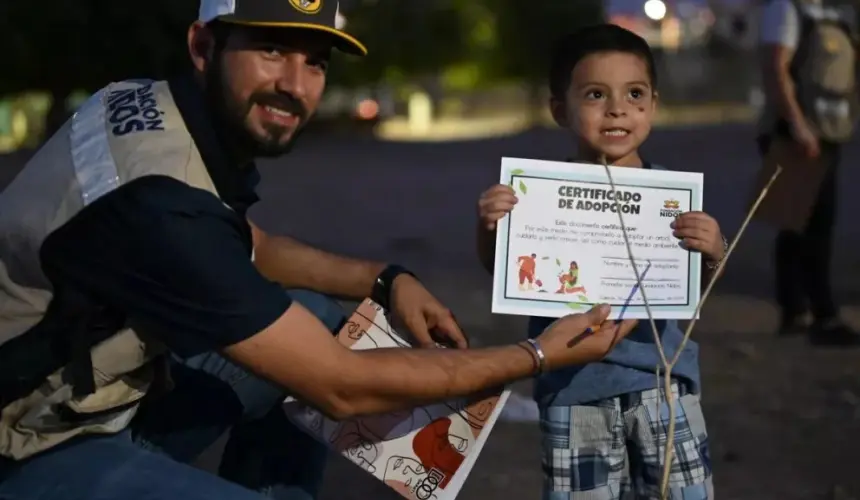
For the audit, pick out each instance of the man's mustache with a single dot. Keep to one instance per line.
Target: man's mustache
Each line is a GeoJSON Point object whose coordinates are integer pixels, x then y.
{"type": "Point", "coordinates": [290, 105]}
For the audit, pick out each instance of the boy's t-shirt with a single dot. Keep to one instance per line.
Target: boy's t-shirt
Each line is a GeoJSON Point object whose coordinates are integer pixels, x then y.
{"type": "Point", "coordinates": [629, 367]}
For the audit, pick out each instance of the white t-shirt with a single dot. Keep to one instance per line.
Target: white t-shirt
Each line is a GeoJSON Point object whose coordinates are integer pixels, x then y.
{"type": "Point", "coordinates": [780, 24]}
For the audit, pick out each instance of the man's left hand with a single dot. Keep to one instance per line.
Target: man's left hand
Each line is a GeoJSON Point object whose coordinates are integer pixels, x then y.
{"type": "Point", "coordinates": [424, 316]}
{"type": "Point", "coordinates": [700, 233]}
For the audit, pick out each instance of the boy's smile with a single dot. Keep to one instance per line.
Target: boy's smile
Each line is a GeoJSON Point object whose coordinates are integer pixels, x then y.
{"type": "Point", "coordinates": [610, 104]}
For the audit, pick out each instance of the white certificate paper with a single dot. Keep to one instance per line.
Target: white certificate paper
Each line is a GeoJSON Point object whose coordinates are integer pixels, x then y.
{"type": "Point", "coordinates": [562, 250]}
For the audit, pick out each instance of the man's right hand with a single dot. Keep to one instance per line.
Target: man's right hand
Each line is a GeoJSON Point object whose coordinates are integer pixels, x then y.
{"type": "Point", "coordinates": [806, 139]}
{"type": "Point", "coordinates": [582, 338]}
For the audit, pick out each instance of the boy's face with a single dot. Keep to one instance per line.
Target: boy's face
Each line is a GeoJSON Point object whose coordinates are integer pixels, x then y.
{"type": "Point", "coordinates": [609, 106]}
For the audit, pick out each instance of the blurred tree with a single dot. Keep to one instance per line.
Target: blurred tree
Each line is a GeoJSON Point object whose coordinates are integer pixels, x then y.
{"type": "Point", "coordinates": [527, 32]}
{"type": "Point", "coordinates": [404, 39]}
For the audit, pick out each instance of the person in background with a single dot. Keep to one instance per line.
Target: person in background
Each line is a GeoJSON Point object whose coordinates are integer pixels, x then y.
{"type": "Point", "coordinates": [808, 59]}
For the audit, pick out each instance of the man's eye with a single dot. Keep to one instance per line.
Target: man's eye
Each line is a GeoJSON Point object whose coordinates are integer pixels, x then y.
{"type": "Point", "coordinates": [321, 64]}
{"type": "Point", "coordinates": [271, 52]}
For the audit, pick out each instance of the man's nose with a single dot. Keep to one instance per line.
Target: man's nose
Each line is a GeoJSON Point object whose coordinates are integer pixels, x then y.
{"type": "Point", "coordinates": [293, 77]}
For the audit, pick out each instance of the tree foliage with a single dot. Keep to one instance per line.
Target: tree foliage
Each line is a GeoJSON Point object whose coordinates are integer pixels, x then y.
{"type": "Point", "coordinates": [59, 46]}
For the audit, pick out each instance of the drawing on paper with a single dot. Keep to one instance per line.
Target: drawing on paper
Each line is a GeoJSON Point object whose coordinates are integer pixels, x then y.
{"type": "Point", "coordinates": [424, 453]}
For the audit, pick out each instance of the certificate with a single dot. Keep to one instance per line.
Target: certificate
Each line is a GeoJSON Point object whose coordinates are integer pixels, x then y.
{"type": "Point", "coordinates": [562, 249]}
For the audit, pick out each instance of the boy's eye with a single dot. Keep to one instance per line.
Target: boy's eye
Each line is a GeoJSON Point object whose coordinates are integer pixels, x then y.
{"type": "Point", "coordinates": [637, 93]}
{"type": "Point", "coordinates": [594, 94]}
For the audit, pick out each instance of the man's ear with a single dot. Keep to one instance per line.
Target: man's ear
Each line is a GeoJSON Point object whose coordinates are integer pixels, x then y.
{"type": "Point", "coordinates": [558, 108]}
{"type": "Point", "coordinates": [201, 45]}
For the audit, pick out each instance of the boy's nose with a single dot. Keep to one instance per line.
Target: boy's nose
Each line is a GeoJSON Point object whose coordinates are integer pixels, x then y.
{"type": "Point", "coordinates": [615, 108]}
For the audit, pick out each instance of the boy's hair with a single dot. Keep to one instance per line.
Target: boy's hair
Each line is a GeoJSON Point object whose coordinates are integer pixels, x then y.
{"type": "Point", "coordinates": [571, 49]}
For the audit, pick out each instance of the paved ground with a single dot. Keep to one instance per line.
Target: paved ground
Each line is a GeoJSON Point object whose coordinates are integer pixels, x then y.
{"type": "Point", "coordinates": [784, 418]}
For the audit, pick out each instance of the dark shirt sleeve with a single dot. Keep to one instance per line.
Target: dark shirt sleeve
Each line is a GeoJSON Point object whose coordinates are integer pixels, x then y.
{"type": "Point", "coordinates": [170, 257]}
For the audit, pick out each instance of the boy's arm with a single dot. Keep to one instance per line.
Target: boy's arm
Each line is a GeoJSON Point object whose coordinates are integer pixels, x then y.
{"type": "Point", "coordinates": [709, 267]}
{"type": "Point", "coordinates": [486, 239]}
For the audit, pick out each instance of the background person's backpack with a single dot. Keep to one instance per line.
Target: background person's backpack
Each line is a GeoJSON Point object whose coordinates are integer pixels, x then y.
{"type": "Point", "coordinates": [824, 68]}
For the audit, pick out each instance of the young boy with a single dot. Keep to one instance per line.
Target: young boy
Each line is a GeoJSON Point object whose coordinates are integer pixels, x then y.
{"type": "Point", "coordinates": [603, 429]}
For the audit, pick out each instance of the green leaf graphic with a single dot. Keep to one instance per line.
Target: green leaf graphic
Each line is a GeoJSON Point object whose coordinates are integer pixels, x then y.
{"type": "Point", "coordinates": [582, 298]}
{"type": "Point", "coordinates": [557, 262]}
{"type": "Point", "coordinates": [545, 257]}
{"type": "Point", "coordinates": [523, 187]}
{"type": "Point", "coordinates": [574, 305]}
{"type": "Point", "coordinates": [517, 171]}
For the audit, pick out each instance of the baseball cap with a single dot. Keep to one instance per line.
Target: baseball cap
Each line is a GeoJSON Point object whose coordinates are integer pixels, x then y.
{"type": "Point", "coordinates": [316, 15]}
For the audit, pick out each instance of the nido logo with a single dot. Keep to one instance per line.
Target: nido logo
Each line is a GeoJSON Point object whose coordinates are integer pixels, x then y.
{"type": "Point", "coordinates": [134, 110]}
{"type": "Point", "coordinates": [671, 208]}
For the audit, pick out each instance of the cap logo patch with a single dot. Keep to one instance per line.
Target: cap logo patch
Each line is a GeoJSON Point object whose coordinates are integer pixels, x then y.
{"type": "Point", "coordinates": [307, 6]}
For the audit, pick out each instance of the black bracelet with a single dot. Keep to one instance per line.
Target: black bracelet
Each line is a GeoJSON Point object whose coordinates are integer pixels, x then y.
{"type": "Point", "coordinates": [381, 293]}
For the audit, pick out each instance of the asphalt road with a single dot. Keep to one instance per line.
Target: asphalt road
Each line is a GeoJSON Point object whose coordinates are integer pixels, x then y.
{"type": "Point", "coordinates": [783, 417]}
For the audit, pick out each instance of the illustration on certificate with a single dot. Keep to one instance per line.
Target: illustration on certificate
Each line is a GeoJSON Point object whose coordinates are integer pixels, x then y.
{"type": "Point", "coordinates": [562, 248]}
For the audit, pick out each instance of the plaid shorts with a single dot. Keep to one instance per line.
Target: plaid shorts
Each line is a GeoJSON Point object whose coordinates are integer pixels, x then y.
{"type": "Point", "coordinates": [613, 448]}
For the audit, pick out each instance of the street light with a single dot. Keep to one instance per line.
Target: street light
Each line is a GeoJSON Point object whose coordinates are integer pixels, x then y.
{"type": "Point", "coordinates": [655, 9]}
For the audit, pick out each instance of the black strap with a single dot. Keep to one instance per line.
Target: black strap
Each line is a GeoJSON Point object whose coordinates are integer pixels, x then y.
{"type": "Point", "coordinates": [72, 324]}
{"type": "Point", "coordinates": [381, 293]}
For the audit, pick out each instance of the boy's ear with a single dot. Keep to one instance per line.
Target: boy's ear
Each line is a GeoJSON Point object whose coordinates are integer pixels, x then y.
{"type": "Point", "coordinates": [655, 99]}
{"type": "Point", "coordinates": [559, 112]}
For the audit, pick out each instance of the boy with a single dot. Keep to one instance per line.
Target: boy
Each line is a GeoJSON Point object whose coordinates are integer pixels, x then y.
{"type": "Point", "coordinates": [603, 433]}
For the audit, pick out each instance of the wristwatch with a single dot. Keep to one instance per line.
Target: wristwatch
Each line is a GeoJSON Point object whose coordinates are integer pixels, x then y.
{"type": "Point", "coordinates": [381, 293]}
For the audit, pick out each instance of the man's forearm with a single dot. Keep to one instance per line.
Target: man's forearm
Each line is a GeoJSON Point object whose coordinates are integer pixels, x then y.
{"type": "Point", "coordinates": [384, 380]}
{"type": "Point", "coordinates": [787, 98]}
{"type": "Point", "coordinates": [780, 86]}
{"type": "Point", "coordinates": [294, 264]}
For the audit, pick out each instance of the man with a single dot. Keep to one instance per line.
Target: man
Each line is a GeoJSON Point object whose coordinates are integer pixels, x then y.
{"type": "Point", "coordinates": [528, 264]}
{"type": "Point", "coordinates": [809, 58]}
{"type": "Point", "coordinates": [124, 242]}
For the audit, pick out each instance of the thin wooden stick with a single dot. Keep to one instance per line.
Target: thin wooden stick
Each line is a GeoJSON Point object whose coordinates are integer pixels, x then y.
{"type": "Point", "coordinates": [670, 439]}
{"type": "Point", "coordinates": [668, 455]}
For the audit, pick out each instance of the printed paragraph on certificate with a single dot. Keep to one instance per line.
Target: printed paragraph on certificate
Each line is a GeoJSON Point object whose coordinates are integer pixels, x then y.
{"type": "Point", "coordinates": [562, 249]}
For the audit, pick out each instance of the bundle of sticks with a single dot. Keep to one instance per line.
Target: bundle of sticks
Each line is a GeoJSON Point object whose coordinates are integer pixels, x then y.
{"type": "Point", "coordinates": [667, 364]}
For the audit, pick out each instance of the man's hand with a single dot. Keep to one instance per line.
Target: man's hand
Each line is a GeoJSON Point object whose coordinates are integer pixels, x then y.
{"type": "Point", "coordinates": [700, 233]}
{"type": "Point", "coordinates": [424, 316]}
{"type": "Point", "coordinates": [582, 338]}
{"type": "Point", "coordinates": [806, 139]}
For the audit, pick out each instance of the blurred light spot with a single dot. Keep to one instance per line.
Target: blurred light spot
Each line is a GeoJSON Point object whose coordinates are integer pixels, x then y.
{"type": "Point", "coordinates": [420, 113]}
{"type": "Point", "coordinates": [367, 109]}
{"type": "Point", "coordinates": [655, 9]}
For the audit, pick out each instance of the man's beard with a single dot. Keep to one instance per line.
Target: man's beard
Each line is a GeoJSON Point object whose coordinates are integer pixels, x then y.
{"type": "Point", "coordinates": [229, 116]}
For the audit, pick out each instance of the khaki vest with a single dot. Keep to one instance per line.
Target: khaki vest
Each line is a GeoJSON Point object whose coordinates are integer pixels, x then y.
{"type": "Point", "coordinates": [125, 131]}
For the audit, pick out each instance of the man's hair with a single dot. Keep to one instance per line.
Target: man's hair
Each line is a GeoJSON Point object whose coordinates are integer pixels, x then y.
{"type": "Point", "coordinates": [573, 48]}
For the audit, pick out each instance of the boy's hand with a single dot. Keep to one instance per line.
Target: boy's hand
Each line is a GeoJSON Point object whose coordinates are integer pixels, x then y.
{"type": "Point", "coordinates": [700, 233]}
{"type": "Point", "coordinates": [494, 204]}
